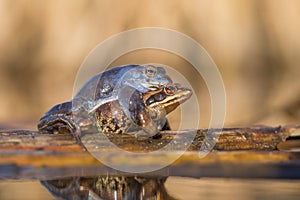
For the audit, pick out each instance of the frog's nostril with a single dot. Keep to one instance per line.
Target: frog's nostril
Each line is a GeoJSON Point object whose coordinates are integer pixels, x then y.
{"type": "Point", "coordinates": [177, 85]}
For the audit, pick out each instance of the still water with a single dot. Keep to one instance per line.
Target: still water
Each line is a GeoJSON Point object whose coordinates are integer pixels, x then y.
{"type": "Point", "coordinates": [178, 188]}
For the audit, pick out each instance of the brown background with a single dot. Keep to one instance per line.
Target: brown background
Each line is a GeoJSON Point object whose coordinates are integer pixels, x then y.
{"type": "Point", "coordinates": [254, 43]}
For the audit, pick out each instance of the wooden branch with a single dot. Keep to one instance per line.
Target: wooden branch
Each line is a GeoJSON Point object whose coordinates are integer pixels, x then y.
{"type": "Point", "coordinates": [251, 138]}
{"type": "Point", "coordinates": [29, 154]}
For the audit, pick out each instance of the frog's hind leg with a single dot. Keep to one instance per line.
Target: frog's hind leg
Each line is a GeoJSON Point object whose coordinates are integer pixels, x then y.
{"type": "Point", "coordinates": [55, 125]}
{"type": "Point", "coordinates": [60, 125]}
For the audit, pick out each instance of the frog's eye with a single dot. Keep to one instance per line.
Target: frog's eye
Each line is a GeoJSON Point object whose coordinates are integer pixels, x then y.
{"type": "Point", "coordinates": [170, 89]}
{"type": "Point", "coordinates": [150, 70]}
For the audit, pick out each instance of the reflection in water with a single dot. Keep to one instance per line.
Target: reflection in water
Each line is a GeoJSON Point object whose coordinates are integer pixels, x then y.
{"type": "Point", "coordinates": [108, 187]}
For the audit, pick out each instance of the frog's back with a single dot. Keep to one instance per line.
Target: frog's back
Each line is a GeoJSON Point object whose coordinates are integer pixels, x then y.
{"type": "Point", "coordinates": [60, 109]}
{"type": "Point", "coordinates": [96, 89]}
{"type": "Point", "coordinates": [104, 83]}
{"type": "Point", "coordinates": [101, 86]}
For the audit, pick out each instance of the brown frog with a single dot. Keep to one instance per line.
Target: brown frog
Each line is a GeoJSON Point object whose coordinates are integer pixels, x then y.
{"type": "Point", "coordinates": [108, 187]}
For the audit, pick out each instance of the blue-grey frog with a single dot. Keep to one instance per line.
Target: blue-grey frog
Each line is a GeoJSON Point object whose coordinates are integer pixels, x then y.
{"type": "Point", "coordinates": [124, 99]}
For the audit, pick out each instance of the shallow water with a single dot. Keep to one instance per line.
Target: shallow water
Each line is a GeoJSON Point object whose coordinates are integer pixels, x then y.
{"type": "Point", "coordinates": [182, 188]}
{"type": "Point", "coordinates": [225, 188]}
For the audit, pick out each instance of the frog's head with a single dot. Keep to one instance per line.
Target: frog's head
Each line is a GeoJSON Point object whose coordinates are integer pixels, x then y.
{"type": "Point", "coordinates": [107, 86]}
{"type": "Point", "coordinates": [145, 77]}
{"type": "Point", "coordinates": [168, 97]}
{"type": "Point", "coordinates": [161, 102]}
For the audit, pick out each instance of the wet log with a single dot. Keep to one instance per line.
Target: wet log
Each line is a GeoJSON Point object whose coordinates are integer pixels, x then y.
{"type": "Point", "coordinates": [236, 152]}
{"type": "Point", "coordinates": [228, 139]}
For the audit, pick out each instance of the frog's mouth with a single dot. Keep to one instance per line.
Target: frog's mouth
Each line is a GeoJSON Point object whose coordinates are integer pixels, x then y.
{"type": "Point", "coordinates": [170, 97]}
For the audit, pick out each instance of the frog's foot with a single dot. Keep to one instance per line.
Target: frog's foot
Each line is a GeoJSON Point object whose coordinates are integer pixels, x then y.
{"type": "Point", "coordinates": [166, 127]}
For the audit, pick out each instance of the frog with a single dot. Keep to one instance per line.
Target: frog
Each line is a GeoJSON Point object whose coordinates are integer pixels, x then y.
{"type": "Point", "coordinates": [108, 187]}
{"type": "Point", "coordinates": [147, 111]}
{"type": "Point", "coordinates": [124, 99]}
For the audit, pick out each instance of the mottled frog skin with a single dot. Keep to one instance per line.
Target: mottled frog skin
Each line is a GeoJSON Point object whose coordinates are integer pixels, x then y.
{"type": "Point", "coordinates": [124, 99]}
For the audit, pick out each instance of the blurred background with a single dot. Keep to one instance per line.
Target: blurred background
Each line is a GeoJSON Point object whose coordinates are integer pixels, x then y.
{"type": "Point", "coordinates": [254, 43]}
